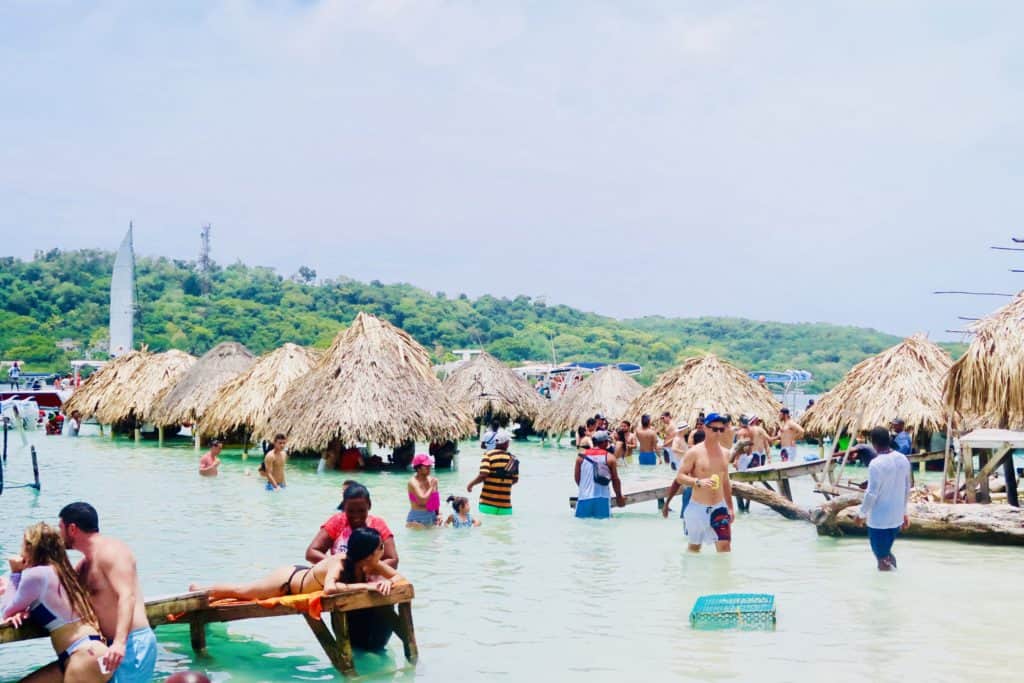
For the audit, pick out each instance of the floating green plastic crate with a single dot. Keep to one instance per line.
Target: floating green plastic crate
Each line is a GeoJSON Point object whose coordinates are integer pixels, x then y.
{"type": "Point", "coordinates": [747, 611]}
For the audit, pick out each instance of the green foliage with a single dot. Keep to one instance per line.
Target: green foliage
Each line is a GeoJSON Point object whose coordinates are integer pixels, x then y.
{"type": "Point", "coordinates": [61, 295]}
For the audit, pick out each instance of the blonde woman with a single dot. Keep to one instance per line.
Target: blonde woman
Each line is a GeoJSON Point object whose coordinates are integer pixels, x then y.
{"type": "Point", "coordinates": [43, 588]}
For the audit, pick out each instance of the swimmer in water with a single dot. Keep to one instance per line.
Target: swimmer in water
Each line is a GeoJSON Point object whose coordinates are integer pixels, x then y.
{"type": "Point", "coordinates": [460, 517]}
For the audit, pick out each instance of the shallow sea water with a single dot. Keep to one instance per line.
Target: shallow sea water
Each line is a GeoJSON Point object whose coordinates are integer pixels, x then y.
{"type": "Point", "coordinates": [538, 595]}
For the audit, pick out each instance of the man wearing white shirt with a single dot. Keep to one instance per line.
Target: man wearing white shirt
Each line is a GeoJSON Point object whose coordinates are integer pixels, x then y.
{"type": "Point", "coordinates": [885, 502]}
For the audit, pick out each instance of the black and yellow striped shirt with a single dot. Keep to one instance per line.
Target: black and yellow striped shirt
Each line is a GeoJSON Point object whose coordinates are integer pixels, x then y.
{"type": "Point", "coordinates": [497, 488]}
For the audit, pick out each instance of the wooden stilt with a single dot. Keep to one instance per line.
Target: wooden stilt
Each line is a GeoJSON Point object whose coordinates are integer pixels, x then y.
{"type": "Point", "coordinates": [112, 432]}
{"type": "Point", "coordinates": [408, 632]}
{"type": "Point", "coordinates": [138, 435]}
{"type": "Point", "coordinates": [160, 436]}
{"type": "Point", "coordinates": [101, 429]}
{"type": "Point", "coordinates": [967, 454]}
{"type": "Point", "coordinates": [329, 644]}
{"type": "Point", "coordinates": [197, 634]}
{"type": "Point", "coordinates": [785, 489]}
{"type": "Point", "coordinates": [1010, 475]}
{"type": "Point", "coordinates": [339, 622]}
{"type": "Point", "coordinates": [198, 439]}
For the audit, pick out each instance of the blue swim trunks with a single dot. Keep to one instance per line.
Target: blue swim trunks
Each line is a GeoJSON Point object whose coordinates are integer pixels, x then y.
{"type": "Point", "coordinates": [270, 487]}
{"type": "Point", "coordinates": [597, 508]}
{"type": "Point", "coordinates": [648, 458]}
{"type": "Point", "coordinates": [421, 517]}
{"type": "Point", "coordinates": [139, 658]}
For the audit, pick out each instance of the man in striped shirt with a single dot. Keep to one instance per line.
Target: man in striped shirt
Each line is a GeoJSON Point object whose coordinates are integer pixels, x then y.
{"type": "Point", "coordinates": [496, 496]}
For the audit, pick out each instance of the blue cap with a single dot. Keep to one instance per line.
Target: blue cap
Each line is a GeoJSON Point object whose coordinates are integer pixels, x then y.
{"type": "Point", "coordinates": [714, 417]}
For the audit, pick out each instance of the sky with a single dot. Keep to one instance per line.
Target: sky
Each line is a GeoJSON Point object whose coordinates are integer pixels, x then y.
{"type": "Point", "coordinates": [825, 161]}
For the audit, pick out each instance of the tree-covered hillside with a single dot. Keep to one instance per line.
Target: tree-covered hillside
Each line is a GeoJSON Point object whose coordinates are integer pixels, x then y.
{"type": "Point", "coordinates": [60, 299]}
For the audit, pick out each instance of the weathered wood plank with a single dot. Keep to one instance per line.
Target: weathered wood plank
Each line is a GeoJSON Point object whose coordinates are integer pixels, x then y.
{"type": "Point", "coordinates": [327, 641]}
{"type": "Point", "coordinates": [412, 651]}
{"type": "Point", "coordinates": [339, 622]}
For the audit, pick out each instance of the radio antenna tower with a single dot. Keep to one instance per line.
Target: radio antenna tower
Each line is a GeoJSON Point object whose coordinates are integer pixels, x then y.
{"type": "Point", "coordinates": [204, 259]}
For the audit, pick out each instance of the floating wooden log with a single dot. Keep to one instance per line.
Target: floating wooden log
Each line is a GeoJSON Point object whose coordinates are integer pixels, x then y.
{"type": "Point", "coordinates": [195, 610]}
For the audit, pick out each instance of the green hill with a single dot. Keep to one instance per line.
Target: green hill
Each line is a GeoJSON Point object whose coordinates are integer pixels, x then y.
{"type": "Point", "coordinates": [60, 297]}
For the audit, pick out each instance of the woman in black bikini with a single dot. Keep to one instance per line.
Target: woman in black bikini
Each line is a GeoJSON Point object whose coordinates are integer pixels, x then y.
{"type": "Point", "coordinates": [292, 580]}
{"type": "Point", "coordinates": [360, 568]}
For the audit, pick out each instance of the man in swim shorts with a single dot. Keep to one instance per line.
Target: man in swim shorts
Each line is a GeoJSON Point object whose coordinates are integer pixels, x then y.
{"type": "Point", "coordinates": [108, 574]}
{"type": "Point", "coordinates": [709, 515]}
{"type": "Point", "coordinates": [789, 433]}
{"type": "Point", "coordinates": [647, 439]}
{"type": "Point", "coordinates": [762, 442]}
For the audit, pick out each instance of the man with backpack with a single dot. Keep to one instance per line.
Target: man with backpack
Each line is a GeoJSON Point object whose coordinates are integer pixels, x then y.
{"type": "Point", "coordinates": [596, 468]}
{"type": "Point", "coordinates": [499, 471]}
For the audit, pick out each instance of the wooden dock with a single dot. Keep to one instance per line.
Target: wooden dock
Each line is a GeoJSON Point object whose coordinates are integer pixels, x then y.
{"type": "Point", "coordinates": [195, 610]}
{"type": "Point", "coordinates": [779, 473]}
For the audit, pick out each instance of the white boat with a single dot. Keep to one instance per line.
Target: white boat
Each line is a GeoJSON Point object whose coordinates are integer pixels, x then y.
{"type": "Point", "coordinates": [122, 298]}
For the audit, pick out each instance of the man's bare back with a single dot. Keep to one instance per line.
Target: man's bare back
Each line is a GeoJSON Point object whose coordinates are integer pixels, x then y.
{"type": "Point", "coordinates": [110, 561]}
{"type": "Point", "coordinates": [648, 439]}
{"type": "Point", "coordinates": [762, 442]}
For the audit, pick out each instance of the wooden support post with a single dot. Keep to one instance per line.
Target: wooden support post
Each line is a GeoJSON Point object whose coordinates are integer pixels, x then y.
{"type": "Point", "coordinates": [984, 496]}
{"type": "Point", "coordinates": [329, 645]}
{"type": "Point", "coordinates": [784, 488]}
{"type": "Point", "coordinates": [1010, 475]}
{"type": "Point", "coordinates": [339, 622]}
{"type": "Point", "coordinates": [101, 428]}
{"type": "Point", "coordinates": [195, 437]}
{"type": "Point", "coordinates": [138, 435]}
{"type": "Point", "coordinates": [112, 432]}
{"type": "Point", "coordinates": [408, 632]}
{"type": "Point", "coordinates": [197, 634]}
{"type": "Point", "coordinates": [160, 436]}
{"type": "Point", "coordinates": [967, 455]}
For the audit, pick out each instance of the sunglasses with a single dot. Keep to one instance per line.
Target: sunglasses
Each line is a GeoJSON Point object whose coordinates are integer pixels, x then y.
{"type": "Point", "coordinates": [717, 430]}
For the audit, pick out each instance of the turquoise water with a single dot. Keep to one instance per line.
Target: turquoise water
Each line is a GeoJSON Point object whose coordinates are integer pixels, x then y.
{"type": "Point", "coordinates": [538, 595]}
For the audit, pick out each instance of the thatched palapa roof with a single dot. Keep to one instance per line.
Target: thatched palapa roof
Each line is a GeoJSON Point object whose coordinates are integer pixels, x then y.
{"type": "Point", "coordinates": [129, 386]}
{"type": "Point", "coordinates": [193, 394]}
{"type": "Point", "coordinates": [246, 400]}
{"type": "Point", "coordinates": [705, 383]}
{"type": "Point", "coordinates": [986, 385]}
{"type": "Point", "coordinates": [106, 386]}
{"type": "Point", "coordinates": [375, 384]}
{"type": "Point", "coordinates": [487, 387]}
{"type": "Point", "coordinates": [903, 381]}
{"type": "Point", "coordinates": [607, 391]}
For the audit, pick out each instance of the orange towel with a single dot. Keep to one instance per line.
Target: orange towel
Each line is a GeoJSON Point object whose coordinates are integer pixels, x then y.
{"type": "Point", "coordinates": [305, 603]}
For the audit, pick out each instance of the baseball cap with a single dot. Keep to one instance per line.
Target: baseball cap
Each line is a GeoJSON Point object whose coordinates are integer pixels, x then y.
{"type": "Point", "coordinates": [421, 459]}
{"type": "Point", "coordinates": [682, 426]}
{"type": "Point", "coordinates": [600, 436]}
{"type": "Point", "coordinates": [744, 420]}
{"type": "Point", "coordinates": [501, 436]}
{"type": "Point", "coordinates": [715, 417]}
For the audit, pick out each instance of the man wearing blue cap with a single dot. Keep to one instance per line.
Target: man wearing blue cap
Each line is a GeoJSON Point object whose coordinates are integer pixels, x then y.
{"type": "Point", "coordinates": [709, 515]}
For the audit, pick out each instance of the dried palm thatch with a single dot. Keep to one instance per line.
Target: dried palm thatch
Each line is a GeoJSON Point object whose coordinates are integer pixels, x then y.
{"type": "Point", "coordinates": [986, 385]}
{"type": "Point", "coordinates": [107, 387]}
{"type": "Point", "coordinates": [153, 379]}
{"type": "Point", "coordinates": [193, 394]}
{"type": "Point", "coordinates": [375, 384]}
{"type": "Point", "coordinates": [127, 388]}
{"type": "Point", "coordinates": [904, 381]}
{"type": "Point", "coordinates": [246, 400]}
{"type": "Point", "coordinates": [607, 391]}
{"type": "Point", "coordinates": [705, 383]}
{"type": "Point", "coordinates": [486, 387]}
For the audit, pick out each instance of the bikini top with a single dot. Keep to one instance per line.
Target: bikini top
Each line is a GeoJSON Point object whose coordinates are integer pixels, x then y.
{"type": "Point", "coordinates": [38, 590]}
{"type": "Point", "coordinates": [433, 501]}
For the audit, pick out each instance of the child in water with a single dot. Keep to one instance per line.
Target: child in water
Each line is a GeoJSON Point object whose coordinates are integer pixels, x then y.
{"type": "Point", "coordinates": [460, 517]}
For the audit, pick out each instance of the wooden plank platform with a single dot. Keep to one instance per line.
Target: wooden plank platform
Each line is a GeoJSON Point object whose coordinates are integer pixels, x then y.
{"type": "Point", "coordinates": [195, 610]}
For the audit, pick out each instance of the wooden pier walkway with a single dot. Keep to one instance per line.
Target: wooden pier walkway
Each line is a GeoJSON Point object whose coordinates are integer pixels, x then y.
{"type": "Point", "coordinates": [196, 610]}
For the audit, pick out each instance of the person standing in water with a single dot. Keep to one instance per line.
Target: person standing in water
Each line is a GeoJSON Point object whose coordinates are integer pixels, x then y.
{"type": "Point", "coordinates": [210, 462]}
{"type": "Point", "coordinates": [762, 446]}
{"type": "Point", "coordinates": [460, 517]}
{"type": "Point", "coordinates": [647, 438]}
{"type": "Point", "coordinates": [668, 434]}
{"type": "Point", "coordinates": [498, 474]}
{"type": "Point", "coordinates": [595, 469]}
{"type": "Point", "coordinates": [109, 576]}
{"type": "Point", "coordinates": [273, 464]}
{"type": "Point", "coordinates": [709, 515]}
{"type": "Point", "coordinates": [789, 433]}
{"type": "Point", "coordinates": [885, 501]}
{"type": "Point", "coordinates": [424, 500]}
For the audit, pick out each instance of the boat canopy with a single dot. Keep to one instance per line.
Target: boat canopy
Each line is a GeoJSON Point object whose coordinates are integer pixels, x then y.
{"type": "Point", "coordinates": [782, 377]}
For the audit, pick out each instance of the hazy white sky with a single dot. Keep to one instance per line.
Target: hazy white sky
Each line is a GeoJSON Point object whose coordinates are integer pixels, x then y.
{"type": "Point", "coordinates": [819, 161]}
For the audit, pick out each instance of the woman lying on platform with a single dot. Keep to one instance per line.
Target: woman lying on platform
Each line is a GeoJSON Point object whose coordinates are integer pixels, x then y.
{"type": "Point", "coordinates": [359, 567]}
{"type": "Point", "coordinates": [44, 589]}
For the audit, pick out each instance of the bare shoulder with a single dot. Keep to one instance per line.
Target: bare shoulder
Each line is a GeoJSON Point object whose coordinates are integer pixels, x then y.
{"type": "Point", "coordinates": [113, 550]}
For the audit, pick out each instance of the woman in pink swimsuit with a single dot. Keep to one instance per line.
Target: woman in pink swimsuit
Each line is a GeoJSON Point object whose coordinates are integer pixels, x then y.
{"type": "Point", "coordinates": [424, 500]}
